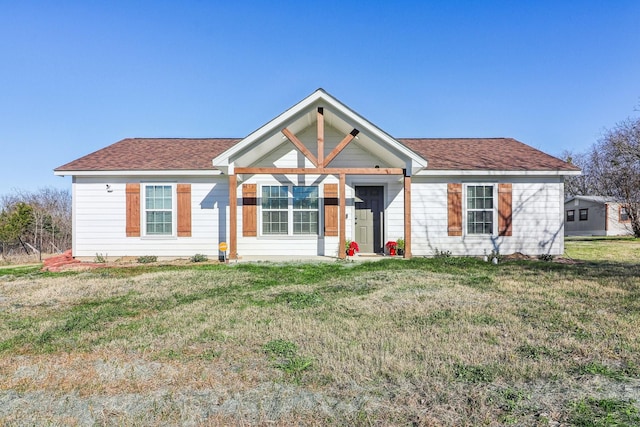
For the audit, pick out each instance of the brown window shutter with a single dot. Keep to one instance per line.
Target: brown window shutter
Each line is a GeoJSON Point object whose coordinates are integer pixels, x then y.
{"type": "Point", "coordinates": [331, 209]}
{"type": "Point", "coordinates": [249, 210]}
{"type": "Point", "coordinates": [454, 206]}
{"type": "Point", "coordinates": [133, 210]}
{"type": "Point", "coordinates": [184, 210]}
{"type": "Point", "coordinates": [504, 210]}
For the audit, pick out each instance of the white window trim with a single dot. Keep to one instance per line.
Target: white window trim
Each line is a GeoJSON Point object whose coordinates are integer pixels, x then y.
{"type": "Point", "coordinates": [174, 211]}
{"type": "Point", "coordinates": [494, 225]}
{"type": "Point", "coordinates": [290, 211]}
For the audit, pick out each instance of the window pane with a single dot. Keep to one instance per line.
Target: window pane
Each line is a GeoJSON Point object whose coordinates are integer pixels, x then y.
{"type": "Point", "coordinates": [275, 222]}
{"type": "Point", "coordinates": [274, 197]}
{"type": "Point", "coordinates": [275, 217]}
{"type": "Point", "coordinates": [480, 209]}
{"type": "Point", "coordinates": [305, 197]}
{"type": "Point", "coordinates": [158, 209]}
{"type": "Point", "coordinates": [624, 214]}
{"type": "Point", "coordinates": [584, 214]}
{"type": "Point", "coordinates": [166, 198]}
{"type": "Point", "coordinates": [158, 197]}
{"type": "Point", "coordinates": [159, 222]}
{"type": "Point", "coordinates": [305, 205]}
{"type": "Point", "coordinates": [149, 198]}
{"type": "Point", "coordinates": [305, 222]}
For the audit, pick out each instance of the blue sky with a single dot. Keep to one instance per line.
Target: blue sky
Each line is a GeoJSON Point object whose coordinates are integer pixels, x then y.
{"type": "Point", "coordinates": [78, 76]}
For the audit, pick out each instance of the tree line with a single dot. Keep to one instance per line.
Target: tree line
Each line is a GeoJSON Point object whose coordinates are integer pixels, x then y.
{"type": "Point", "coordinates": [35, 223]}
{"type": "Point", "coordinates": [611, 168]}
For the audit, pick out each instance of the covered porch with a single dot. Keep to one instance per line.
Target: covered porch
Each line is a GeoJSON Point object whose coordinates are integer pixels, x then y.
{"type": "Point", "coordinates": [322, 142]}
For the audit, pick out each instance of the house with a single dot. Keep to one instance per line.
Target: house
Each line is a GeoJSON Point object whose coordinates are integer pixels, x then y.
{"type": "Point", "coordinates": [596, 216]}
{"type": "Point", "coordinates": [310, 179]}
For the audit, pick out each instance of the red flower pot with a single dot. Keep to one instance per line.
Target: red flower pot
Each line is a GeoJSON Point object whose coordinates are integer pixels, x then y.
{"type": "Point", "coordinates": [392, 251]}
{"type": "Point", "coordinates": [351, 252]}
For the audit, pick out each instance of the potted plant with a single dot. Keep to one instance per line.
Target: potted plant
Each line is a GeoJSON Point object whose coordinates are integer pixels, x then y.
{"type": "Point", "coordinates": [351, 247]}
{"type": "Point", "coordinates": [400, 246]}
{"type": "Point", "coordinates": [391, 247]}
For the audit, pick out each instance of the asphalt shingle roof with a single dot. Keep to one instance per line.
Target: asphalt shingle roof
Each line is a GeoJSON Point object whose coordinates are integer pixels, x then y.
{"type": "Point", "coordinates": [483, 154]}
{"type": "Point", "coordinates": [159, 154]}
{"type": "Point", "coordinates": [153, 154]}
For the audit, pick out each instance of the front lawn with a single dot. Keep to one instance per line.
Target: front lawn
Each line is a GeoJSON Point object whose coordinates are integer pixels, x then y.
{"type": "Point", "coordinates": [445, 341]}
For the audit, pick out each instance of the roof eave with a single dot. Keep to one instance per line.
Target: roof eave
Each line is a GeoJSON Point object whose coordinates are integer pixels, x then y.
{"type": "Point", "coordinates": [163, 172]}
{"type": "Point", "coordinates": [485, 172]}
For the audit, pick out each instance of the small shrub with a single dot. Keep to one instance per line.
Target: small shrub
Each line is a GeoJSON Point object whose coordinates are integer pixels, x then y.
{"type": "Point", "coordinates": [101, 259]}
{"type": "Point", "coordinates": [146, 259]}
{"type": "Point", "coordinates": [441, 254]}
{"type": "Point", "coordinates": [199, 258]}
{"type": "Point", "coordinates": [545, 257]}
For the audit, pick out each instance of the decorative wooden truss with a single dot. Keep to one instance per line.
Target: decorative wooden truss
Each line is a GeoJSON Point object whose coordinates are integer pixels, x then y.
{"type": "Point", "coordinates": [321, 162]}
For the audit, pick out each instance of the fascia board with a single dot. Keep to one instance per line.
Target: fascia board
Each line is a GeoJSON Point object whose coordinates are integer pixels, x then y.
{"type": "Point", "coordinates": [375, 131]}
{"type": "Point", "coordinates": [139, 172]}
{"type": "Point", "coordinates": [432, 172]}
{"type": "Point", "coordinates": [269, 126]}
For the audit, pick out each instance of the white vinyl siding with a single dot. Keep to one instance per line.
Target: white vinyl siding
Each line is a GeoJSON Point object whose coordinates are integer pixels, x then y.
{"type": "Point", "coordinates": [537, 219]}
{"type": "Point", "coordinates": [99, 219]}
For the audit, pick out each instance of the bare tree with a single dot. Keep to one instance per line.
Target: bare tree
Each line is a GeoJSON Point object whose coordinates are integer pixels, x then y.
{"type": "Point", "coordinates": [614, 164]}
{"type": "Point", "coordinates": [49, 228]}
{"type": "Point", "coordinates": [583, 184]}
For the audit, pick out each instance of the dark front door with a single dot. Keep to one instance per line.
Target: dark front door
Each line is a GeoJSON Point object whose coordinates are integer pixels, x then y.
{"type": "Point", "coordinates": [368, 220]}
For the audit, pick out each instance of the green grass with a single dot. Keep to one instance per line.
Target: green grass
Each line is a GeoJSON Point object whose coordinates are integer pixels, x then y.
{"type": "Point", "coordinates": [603, 249]}
{"type": "Point", "coordinates": [592, 412]}
{"type": "Point", "coordinates": [439, 341]}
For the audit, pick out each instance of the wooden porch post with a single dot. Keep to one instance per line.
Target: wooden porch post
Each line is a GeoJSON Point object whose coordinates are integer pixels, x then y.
{"type": "Point", "coordinates": [341, 217]}
{"type": "Point", "coordinates": [233, 213]}
{"type": "Point", "coordinates": [320, 137]}
{"type": "Point", "coordinates": [407, 215]}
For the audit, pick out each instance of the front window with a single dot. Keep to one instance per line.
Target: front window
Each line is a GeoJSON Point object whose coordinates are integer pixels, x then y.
{"type": "Point", "coordinates": [275, 209]}
{"type": "Point", "coordinates": [305, 210]}
{"type": "Point", "coordinates": [480, 211]}
{"type": "Point", "coordinates": [281, 217]}
{"type": "Point", "coordinates": [158, 207]}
